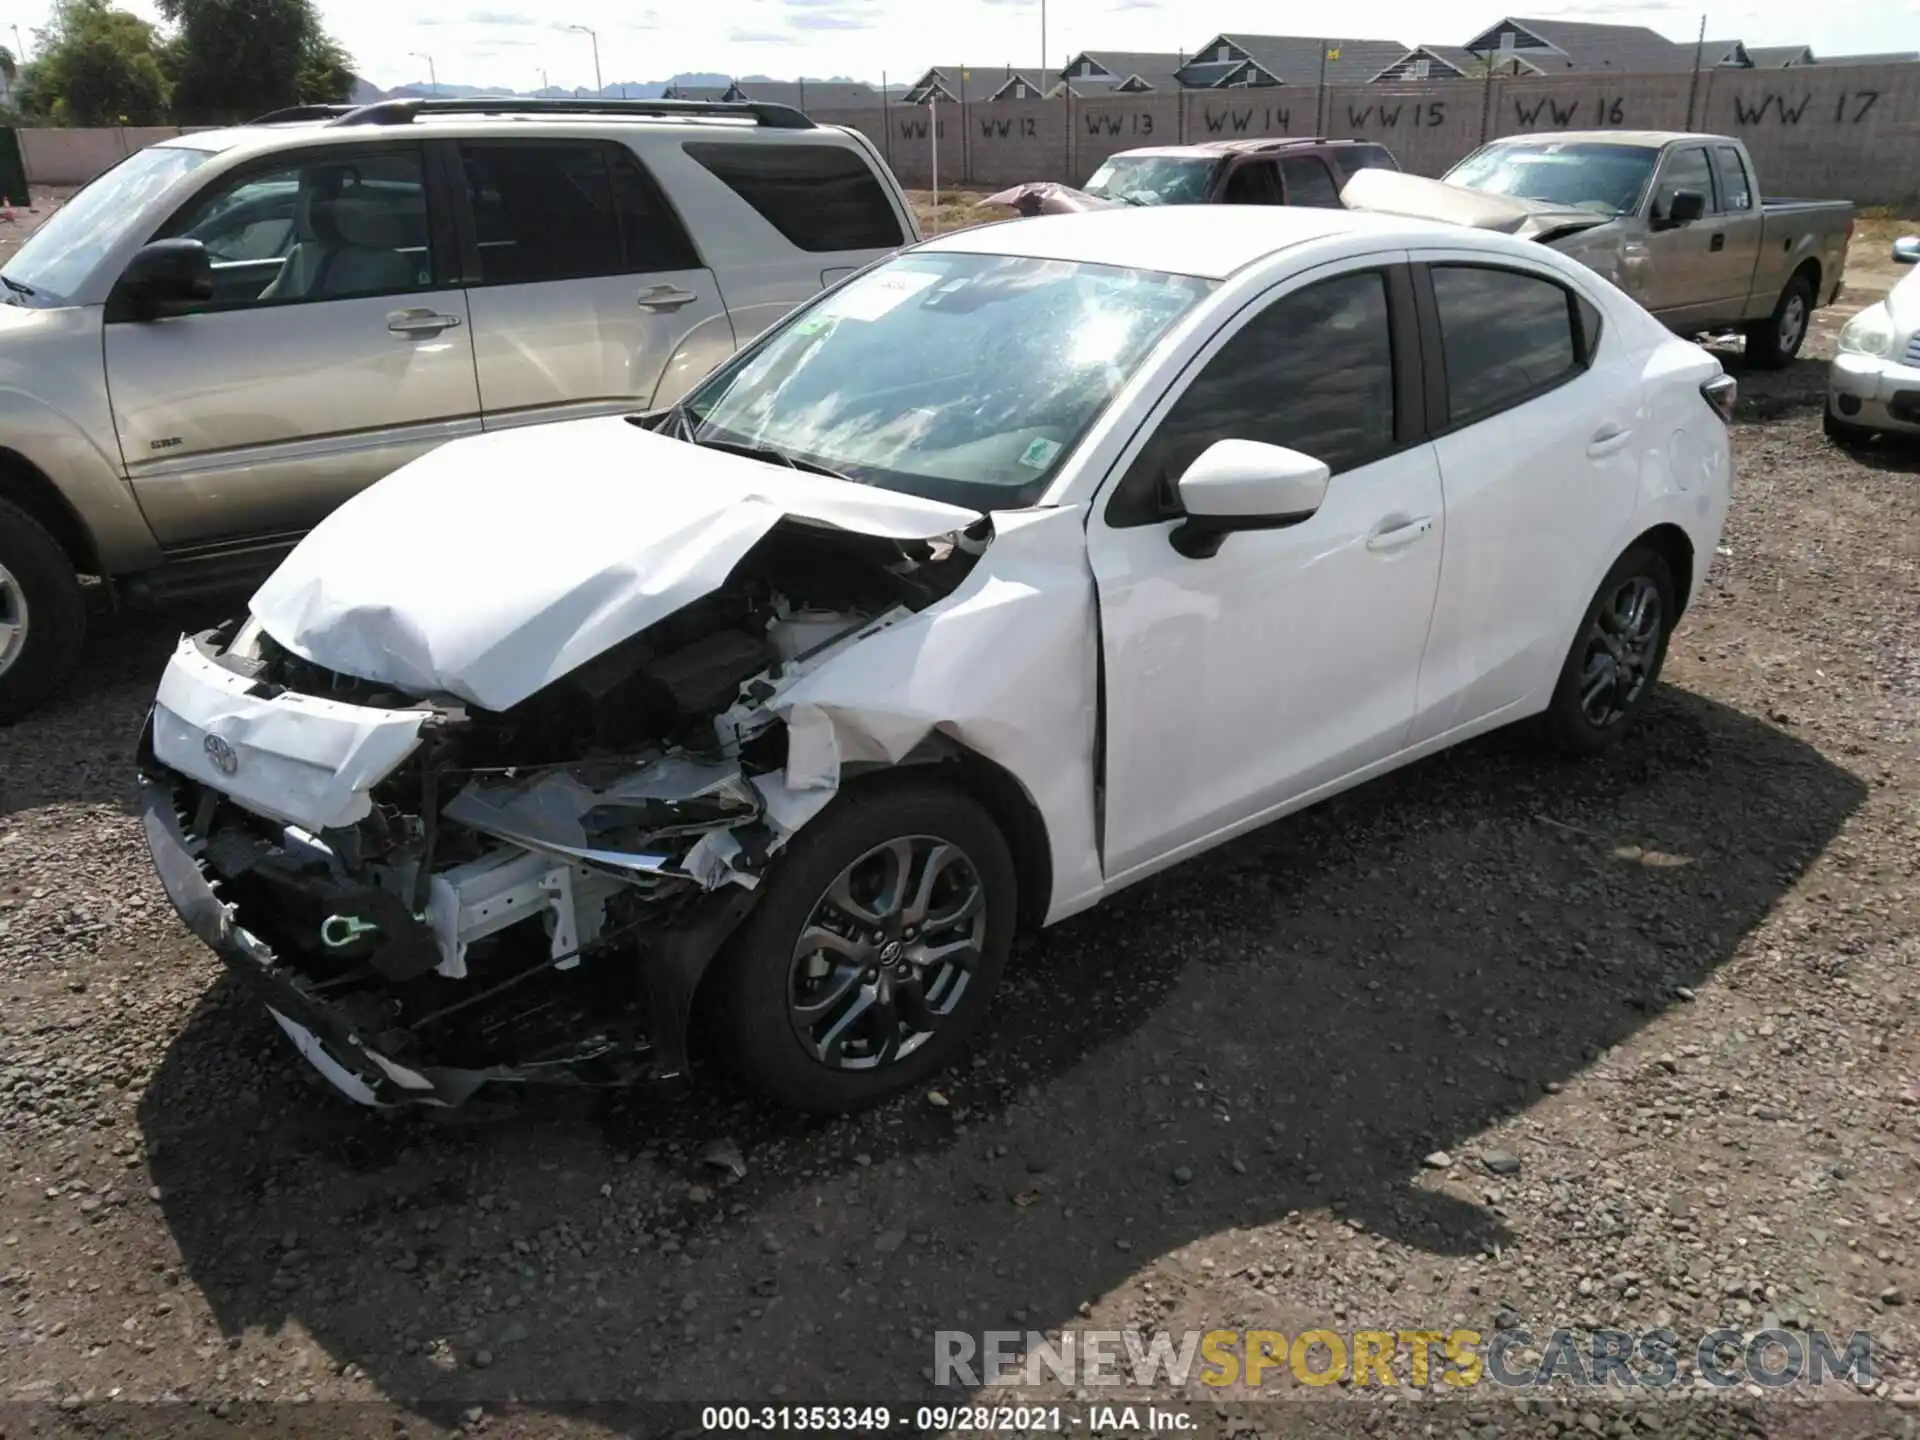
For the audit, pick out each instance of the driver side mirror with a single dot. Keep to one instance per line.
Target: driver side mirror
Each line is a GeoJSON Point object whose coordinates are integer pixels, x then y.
{"type": "Point", "coordinates": [1245, 485]}
{"type": "Point", "coordinates": [1906, 250]}
{"type": "Point", "coordinates": [1684, 208]}
{"type": "Point", "coordinates": [164, 274]}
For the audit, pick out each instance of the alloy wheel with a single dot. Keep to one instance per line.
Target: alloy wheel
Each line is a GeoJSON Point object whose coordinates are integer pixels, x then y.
{"type": "Point", "coordinates": [13, 619]}
{"type": "Point", "coordinates": [1623, 642]}
{"type": "Point", "coordinates": [887, 953]}
{"type": "Point", "coordinates": [1793, 324]}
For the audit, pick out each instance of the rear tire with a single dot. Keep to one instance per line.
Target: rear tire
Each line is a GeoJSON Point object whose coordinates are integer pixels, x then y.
{"type": "Point", "coordinates": [834, 1005]}
{"type": "Point", "coordinates": [1616, 656]}
{"type": "Point", "coordinates": [1773, 343]}
{"type": "Point", "coordinates": [43, 614]}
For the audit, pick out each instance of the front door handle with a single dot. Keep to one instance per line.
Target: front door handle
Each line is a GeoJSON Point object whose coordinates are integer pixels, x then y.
{"type": "Point", "coordinates": [420, 322]}
{"type": "Point", "coordinates": [665, 297]}
{"type": "Point", "coordinates": [1719, 243]}
{"type": "Point", "coordinates": [1607, 439]}
{"type": "Point", "coordinates": [1401, 535]}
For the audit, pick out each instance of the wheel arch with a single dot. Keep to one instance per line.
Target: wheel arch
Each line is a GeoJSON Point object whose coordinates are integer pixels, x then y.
{"type": "Point", "coordinates": [24, 485]}
{"type": "Point", "coordinates": [1674, 546]}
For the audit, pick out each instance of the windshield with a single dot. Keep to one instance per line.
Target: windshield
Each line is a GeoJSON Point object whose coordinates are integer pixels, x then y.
{"type": "Point", "coordinates": [1154, 179]}
{"type": "Point", "coordinates": [62, 253]}
{"type": "Point", "coordinates": [1608, 179]}
{"type": "Point", "coordinates": [960, 378]}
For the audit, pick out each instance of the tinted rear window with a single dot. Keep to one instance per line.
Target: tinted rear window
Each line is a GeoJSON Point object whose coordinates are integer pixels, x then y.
{"type": "Point", "coordinates": [821, 197]}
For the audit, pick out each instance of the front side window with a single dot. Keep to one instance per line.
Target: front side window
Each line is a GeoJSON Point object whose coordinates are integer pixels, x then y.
{"type": "Point", "coordinates": [962, 378]}
{"type": "Point", "coordinates": [1309, 183]}
{"type": "Point", "coordinates": [1685, 170]}
{"type": "Point", "coordinates": [1253, 183]}
{"type": "Point", "coordinates": [822, 198]}
{"type": "Point", "coordinates": [62, 253]}
{"type": "Point", "coordinates": [1508, 337]}
{"type": "Point", "coordinates": [558, 210]}
{"type": "Point", "coordinates": [1313, 372]}
{"type": "Point", "coordinates": [1351, 159]}
{"type": "Point", "coordinates": [332, 226]}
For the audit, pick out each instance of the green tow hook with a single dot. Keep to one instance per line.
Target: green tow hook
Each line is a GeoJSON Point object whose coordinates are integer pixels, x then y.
{"type": "Point", "coordinates": [339, 931]}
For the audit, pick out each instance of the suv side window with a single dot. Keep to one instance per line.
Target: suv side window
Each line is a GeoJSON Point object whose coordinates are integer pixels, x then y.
{"type": "Point", "coordinates": [1313, 372]}
{"type": "Point", "coordinates": [1736, 189]}
{"type": "Point", "coordinates": [1309, 182]}
{"type": "Point", "coordinates": [568, 210]}
{"type": "Point", "coordinates": [336, 226]}
{"type": "Point", "coordinates": [1685, 169]}
{"type": "Point", "coordinates": [822, 198]}
{"type": "Point", "coordinates": [1252, 183]}
{"type": "Point", "coordinates": [1508, 337]}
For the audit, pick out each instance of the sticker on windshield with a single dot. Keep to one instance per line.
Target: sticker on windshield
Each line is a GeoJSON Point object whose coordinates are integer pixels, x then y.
{"type": "Point", "coordinates": [874, 296]}
{"type": "Point", "coordinates": [1039, 455]}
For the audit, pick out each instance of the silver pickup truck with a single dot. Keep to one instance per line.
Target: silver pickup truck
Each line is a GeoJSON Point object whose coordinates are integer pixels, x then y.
{"type": "Point", "coordinates": [1676, 220]}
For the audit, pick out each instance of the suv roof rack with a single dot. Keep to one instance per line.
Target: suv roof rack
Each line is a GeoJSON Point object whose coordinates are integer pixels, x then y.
{"type": "Point", "coordinates": [404, 111]}
{"type": "Point", "coordinates": [303, 112]}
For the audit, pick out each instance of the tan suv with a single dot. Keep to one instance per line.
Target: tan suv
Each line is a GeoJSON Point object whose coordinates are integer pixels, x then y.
{"type": "Point", "coordinates": [228, 334]}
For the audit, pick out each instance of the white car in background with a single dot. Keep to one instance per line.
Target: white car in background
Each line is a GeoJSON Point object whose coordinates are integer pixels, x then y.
{"type": "Point", "coordinates": [1873, 385]}
{"type": "Point", "coordinates": [1022, 566]}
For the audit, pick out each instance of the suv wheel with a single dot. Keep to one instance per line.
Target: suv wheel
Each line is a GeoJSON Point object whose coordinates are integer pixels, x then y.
{"type": "Point", "coordinates": [43, 615]}
{"type": "Point", "coordinates": [872, 956]}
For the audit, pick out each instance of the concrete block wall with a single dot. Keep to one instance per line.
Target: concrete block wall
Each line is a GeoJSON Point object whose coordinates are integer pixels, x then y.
{"type": "Point", "coordinates": [1825, 132]}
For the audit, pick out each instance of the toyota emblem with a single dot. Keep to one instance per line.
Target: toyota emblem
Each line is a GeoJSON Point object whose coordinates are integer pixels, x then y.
{"type": "Point", "coordinates": [223, 756]}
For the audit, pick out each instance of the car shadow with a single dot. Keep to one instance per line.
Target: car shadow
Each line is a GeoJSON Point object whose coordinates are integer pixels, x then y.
{"type": "Point", "coordinates": [1281, 1028]}
{"type": "Point", "coordinates": [78, 746]}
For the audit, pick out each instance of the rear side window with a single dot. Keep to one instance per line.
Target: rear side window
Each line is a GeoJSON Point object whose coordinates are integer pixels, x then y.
{"type": "Point", "coordinates": [820, 197]}
{"type": "Point", "coordinates": [1508, 337]}
{"type": "Point", "coordinates": [1309, 183]}
{"type": "Point", "coordinates": [558, 210]}
{"type": "Point", "coordinates": [1736, 191]}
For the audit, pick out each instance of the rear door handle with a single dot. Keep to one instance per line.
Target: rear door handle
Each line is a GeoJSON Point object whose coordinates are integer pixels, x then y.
{"type": "Point", "coordinates": [665, 297]}
{"type": "Point", "coordinates": [420, 322]}
{"type": "Point", "coordinates": [1607, 439]}
{"type": "Point", "coordinates": [1401, 535]}
{"type": "Point", "coordinates": [1719, 243]}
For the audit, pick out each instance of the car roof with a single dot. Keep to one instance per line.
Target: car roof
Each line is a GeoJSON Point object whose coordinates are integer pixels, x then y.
{"type": "Point", "coordinates": [1636, 139]}
{"type": "Point", "coordinates": [1210, 241]}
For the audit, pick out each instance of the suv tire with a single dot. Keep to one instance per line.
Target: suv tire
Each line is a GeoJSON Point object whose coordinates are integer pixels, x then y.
{"type": "Point", "coordinates": [43, 614]}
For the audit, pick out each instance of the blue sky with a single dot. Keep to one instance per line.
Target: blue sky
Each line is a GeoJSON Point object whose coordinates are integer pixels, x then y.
{"type": "Point", "coordinates": [510, 42]}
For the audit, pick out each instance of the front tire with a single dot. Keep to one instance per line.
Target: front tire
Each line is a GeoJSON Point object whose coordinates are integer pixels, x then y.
{"type": "Point", "coordinates": [871, 958]}
{"type": "Point", "coordinates": [1772, 343]}
{"type": "Point", "coordinates": [43, 614]}
{"type": "Point", "coordinates": [1616, 657]}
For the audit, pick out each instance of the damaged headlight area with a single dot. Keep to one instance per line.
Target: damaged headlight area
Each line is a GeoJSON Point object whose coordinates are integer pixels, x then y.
{"type": "Point", "coordinates": [430, 896]}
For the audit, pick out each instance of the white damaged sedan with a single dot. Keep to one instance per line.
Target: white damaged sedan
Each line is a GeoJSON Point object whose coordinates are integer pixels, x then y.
{"type": "Point", "coordinates": [1024, 564]}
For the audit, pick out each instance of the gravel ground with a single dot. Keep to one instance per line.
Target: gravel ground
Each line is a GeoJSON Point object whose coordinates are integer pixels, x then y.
{"type": "Point", "coordinates": [1495, 1041]}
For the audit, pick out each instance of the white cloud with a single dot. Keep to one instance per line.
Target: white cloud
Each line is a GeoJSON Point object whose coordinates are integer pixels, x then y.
{"type": "Point", "coordinates": [508, 42]}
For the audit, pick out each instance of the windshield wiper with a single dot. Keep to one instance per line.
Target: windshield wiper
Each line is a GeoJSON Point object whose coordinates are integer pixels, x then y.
{"type": "Point", "coordinates": [772, 457]}
{"type": "Point", "coordinates": [17, 288]}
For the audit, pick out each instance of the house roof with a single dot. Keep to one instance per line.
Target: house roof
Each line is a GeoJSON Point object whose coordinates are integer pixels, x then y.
{"type": "Point", "coordinates": [1296, 59]}
{"type": "Point", "coordinates": [1583, 45]}
{"type": "Point", "coordinates": [1774, 57]}
{"type": "Point", "coordinates": [1040, 84]}
{"type": "Point", "coordinates": [695, 92]}
{"type": "Point", "coordinates": [973, 82]}
{"type": "Point", "coordinates": [1891, 57]}
{"type": "Point", "coordinates": [1161, 71]}
{"type": "Point", "coordinates": [1456, 57]}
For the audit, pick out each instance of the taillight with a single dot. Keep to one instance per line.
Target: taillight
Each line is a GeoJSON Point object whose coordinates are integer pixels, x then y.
{"type": "Point", "coordinates": [1721, 392]}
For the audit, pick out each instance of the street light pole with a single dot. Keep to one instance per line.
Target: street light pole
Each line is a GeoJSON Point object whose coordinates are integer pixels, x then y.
{"type": "Point", "coordinates": [433, 79]}
{"type": "Point", "coordinates": [597, 86]}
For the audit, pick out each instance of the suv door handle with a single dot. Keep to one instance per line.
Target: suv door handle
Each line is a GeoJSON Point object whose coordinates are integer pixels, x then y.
{"type": "Point", "coordinates": [665, 297]}
{"type": "Point", "coordinates": [420, 322]}
{"type": "Point", "coordinates": [1401, 535]}
{"type": "Point", "coordinates": [1719, 243]}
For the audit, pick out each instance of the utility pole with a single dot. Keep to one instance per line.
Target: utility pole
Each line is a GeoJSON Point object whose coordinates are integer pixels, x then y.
{"type": "Point", "coordinates": [597, 87]}
{"type": "Point", "coordinates": [433, 80]}
{"type": "Point", "coordinates": [544, 86]}
{"type": "Point", "coordinates": [1693, 89]}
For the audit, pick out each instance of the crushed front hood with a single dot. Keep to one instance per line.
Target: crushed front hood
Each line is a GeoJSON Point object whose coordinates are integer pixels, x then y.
{"type": "Point", "coordinates": [1049, 197]}
{"type": "Point", "coordinates": [1394, 192]}
{"type": "Point", "coordinates": [493, 566]}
